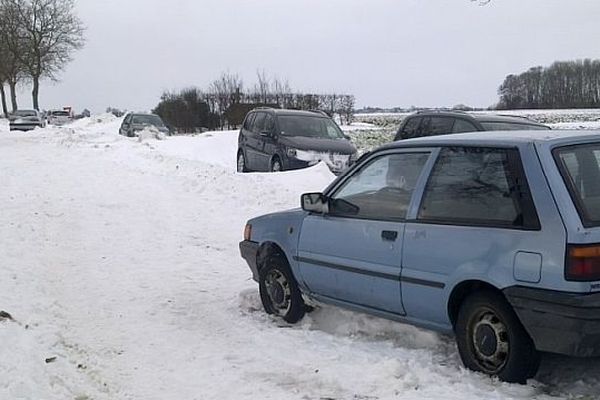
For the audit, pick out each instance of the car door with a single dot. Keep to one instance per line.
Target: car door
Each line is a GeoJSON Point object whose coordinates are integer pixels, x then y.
{"type": "Point", "coordinates": [268, 141]}
{"type": "Point", "coordinates": [254, 143]}
{"type": "Point", "coordinates": [353, 253]}
{"type": "Point", "coordinates": [476, 221]}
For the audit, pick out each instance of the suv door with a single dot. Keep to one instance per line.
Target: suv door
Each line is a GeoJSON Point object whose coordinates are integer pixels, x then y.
{"type": "Point", "coordinates": [353, 253]}
{"type": "Point", "coordinates": [254, 143]}
{"type": "Point", "coordinates": [269, 141]}
{"type": "Point", "coordinates": [476, 221]}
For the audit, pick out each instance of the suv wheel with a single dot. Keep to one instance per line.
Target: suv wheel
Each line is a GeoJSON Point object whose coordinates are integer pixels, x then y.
{"type": "Point", "coordinates": [276, 165]}
{"type": "Point", "coordinates": [492, 340]}
{"type": "Point", "coordinates": [279, 291]}
{"type": "Point", "coordinates": [241, 162]}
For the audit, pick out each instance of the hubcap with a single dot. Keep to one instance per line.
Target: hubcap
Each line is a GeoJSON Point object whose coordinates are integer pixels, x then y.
{"type": "Point", "coordinates": [490, 341]}
{"type": "Point", "coordinates": [279, 291]}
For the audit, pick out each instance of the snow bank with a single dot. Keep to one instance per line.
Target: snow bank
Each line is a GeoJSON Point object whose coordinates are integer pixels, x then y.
{"type": "Point", "coordinates": [120, 264]}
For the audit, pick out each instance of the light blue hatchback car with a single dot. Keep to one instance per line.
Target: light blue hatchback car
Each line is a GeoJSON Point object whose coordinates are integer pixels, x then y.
{"type": "Point", "coordinates": [494, 237]}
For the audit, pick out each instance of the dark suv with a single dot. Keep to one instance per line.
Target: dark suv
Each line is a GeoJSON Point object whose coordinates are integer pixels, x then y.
{"type": "Point", "coordinates": [432, 123]}
{"type": "Point", "coordinates": [277, 140]}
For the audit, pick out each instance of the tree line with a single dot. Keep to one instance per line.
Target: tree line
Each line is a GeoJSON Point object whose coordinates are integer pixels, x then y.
{"type": "Point", "coordinates": [37, 39]}
{"type": "Point", "coordinates": [226, 101]}
{"type": "Point", "coordinates": [564, 84]}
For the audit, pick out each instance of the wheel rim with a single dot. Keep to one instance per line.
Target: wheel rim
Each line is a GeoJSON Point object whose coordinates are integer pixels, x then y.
{"type": "Point", "coordinates": [241, 163]}
{"type": "Point", "coordinates": [276, 166]}
{"type": "Point", "coordinates": [279, 291]}
{"type": "Point", "coordinates": [490, 341]}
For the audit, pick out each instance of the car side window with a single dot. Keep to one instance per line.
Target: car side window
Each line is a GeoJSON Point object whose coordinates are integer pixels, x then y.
{"type": "Point", "coordinates": [380, 190]}
{"type": "Point", "coordinates": [409, 130]}
{"type": "Point", "coordinates": [248, 122]}
{"type": "Point", "coordinates": [259, 123]}
{"type": "Point", "coordinates": [461, 125]}
{"type": "Point", "coordinates": [477, 186]}
{"type": "Point", "coordinates": [269, 125]}
{"type": "Point", "coordinates": [440, 125]}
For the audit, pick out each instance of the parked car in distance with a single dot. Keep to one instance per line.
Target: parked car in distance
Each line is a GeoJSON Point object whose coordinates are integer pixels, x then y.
{"type": "Point", "coordinates": [58, 117]}
{"type": "Point", "coordinates": [26, 120]}
{"type": "Point", "coordinates": [495, 239]}
{"type": "Point", "coordinates": [432, 123]}
{"type": "Point", "coordinates": [133, 123]}
{"type": "Point", "coordinates": [274, 140]}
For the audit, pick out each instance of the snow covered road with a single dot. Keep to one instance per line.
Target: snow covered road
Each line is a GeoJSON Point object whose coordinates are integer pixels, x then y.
{"type": "Point", "coordinates": [119, 264]}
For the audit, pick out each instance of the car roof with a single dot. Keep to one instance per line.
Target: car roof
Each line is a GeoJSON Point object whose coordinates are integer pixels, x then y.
{"type": "Point", "coordinates": [481, 117]}
{"type": "Point", "coordinates": [284, 111]}
{"type": "Point", "coordinates": [501, 138]}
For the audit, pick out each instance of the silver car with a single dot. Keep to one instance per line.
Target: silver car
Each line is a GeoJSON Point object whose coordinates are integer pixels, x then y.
{"type": "Point", "coordinates": [26, 120]}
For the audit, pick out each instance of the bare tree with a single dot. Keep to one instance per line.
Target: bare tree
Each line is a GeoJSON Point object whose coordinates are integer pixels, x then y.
{"type": "Point", "coordinates": [52, 32]}
{"type": "Point", "coordinates": [11, 47]}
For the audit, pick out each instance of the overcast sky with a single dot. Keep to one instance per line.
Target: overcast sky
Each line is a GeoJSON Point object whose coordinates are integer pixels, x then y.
{"type": "Point", "coordinates": [385, 52]}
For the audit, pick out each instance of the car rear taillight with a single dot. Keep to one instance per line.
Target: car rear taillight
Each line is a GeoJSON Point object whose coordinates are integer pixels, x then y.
{"type": "Point", "coordinates": [583, 263]}
{"type": "Point", "coordinates": [248, 232]}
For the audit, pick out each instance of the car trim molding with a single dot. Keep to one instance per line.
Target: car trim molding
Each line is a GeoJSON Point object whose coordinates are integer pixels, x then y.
{"type": "Point", "coordinates": [393, 277]}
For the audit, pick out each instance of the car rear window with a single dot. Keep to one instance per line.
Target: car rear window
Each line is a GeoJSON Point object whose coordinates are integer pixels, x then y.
{"type": "Point", "coordinates": [580, 168]}
{"type": "Point", "coordinates": [512, 126]}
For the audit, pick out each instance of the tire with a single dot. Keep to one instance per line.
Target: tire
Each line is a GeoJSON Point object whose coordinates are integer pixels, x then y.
{"type": "Point", "coordinates": [279, 290]}
{"type": "Point", "coordinates": [241, 162]}
{"type": "Point", "coordinates": [276, 165]}
{"type": "Point", "coordinates": [492, 340]}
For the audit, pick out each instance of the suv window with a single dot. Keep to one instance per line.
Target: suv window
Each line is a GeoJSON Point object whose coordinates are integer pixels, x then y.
{"type": "Point", "coordinates": [478, 186]}
{"type": "Point", "coordinates": [382, 189]}
{"type": "Point", "coordinates": [461, 125]}
{"type": "Point", "coordinates": [258, 123]}
{"type": "Point", "coordinates": [409, 130]}
{"type": "Point", "coordinates": [436, 126]}
{"type": "Point", "coordinates": [269, 124]}
{"type": "Point", "coordinates": [248, 122]}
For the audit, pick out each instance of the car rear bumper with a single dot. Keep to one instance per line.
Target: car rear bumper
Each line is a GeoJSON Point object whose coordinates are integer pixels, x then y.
{"type": "Point", "coordinates": [249, 251]}
{"type": "Point", "coordinates": [23, 127]}
{"type": "Point", "coordinates": [559, 322]}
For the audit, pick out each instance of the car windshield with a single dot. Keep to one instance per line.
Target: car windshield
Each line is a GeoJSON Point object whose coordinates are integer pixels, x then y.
{"type": "Point", "coordinates": [512, 126]}
{"type": "Point", "coordinates": [147, 120]}
{"type": "Point", "coordinates": [25, 113]}
{"type": "Point", "coordinates": [316, 127]}
{"type": "Point", "coordinates": [580, 168]}
{"type": "Point", "coordinates": [59, 113]}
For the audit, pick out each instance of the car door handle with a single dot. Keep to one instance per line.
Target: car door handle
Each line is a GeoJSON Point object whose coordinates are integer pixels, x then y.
{"type": "Point", "coordinates": [389, 236]}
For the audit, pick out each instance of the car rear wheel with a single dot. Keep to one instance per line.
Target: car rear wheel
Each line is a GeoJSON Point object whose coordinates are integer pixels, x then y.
{"type": "Point", "coordinates": [276, 165]}
{"type": "Point", "coordinates": [241, 162]}
{"type": "Point", "coordinates": [492, 340]}
{"type": "Point", "coordinates": [279, 290]}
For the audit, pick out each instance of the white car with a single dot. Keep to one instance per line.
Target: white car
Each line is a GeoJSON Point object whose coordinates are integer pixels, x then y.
{"type": "Point", "coordinates": [26, 120]}
{"type": "Point", "coordinates": [59, 117]}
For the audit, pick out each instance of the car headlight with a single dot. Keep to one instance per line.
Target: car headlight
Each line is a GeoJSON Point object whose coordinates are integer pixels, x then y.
{"type": "Point", "coordinates": [292, 152]}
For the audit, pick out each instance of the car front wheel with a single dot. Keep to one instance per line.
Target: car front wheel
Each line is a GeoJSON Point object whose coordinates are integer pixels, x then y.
{"type": "Point", "coordinates": [492, 340]}
{"type": "Point", "coordinates": [276, 165]}
{"type": "Point", "coordinates": [279, 290]}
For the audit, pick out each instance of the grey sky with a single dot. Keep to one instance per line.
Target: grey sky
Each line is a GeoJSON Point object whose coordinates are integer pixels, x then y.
{"type": "Point", "coordinates": [386, 52]}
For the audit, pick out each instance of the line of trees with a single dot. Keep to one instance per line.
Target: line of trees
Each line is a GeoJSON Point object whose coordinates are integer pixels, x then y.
{"type": "Point", "coordinates": [564, 84]}
{"type": "Point", "coordinates": [225, 102]}
{"type": "Point", "coordinates": [37, 39]}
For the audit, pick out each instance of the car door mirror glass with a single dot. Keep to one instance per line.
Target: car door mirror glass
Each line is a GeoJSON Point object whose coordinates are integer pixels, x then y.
{"type": "Point", "coordinates": [315, 202]}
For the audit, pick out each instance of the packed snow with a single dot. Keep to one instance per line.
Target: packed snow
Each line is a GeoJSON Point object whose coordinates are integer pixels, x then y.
{"type": "Point", "coordinates": [121, 273]}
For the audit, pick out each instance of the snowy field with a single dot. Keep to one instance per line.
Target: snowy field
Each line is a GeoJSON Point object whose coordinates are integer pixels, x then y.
{"type": "Point", "coordinates": [121, 271]}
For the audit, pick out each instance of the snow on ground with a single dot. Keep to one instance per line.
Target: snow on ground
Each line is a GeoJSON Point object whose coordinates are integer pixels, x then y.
{"type": "Point", "coordinates": [120, 267]}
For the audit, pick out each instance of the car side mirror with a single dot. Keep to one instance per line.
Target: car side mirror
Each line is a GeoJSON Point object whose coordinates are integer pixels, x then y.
{"type": "Point", "coordinates": [315, 202]}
